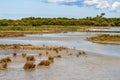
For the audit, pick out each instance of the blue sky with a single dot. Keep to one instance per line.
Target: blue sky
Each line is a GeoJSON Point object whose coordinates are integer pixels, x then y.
{"type": "Point", "coordinates": [16, 9]}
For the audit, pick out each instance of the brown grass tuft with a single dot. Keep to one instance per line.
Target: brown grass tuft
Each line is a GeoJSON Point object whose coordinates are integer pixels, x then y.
{"type": "Point", "coordinates": [30, 58]}
{"type": "Point", "coordinates": [24, 55]}
{"type": "Point", "coordinates": [44, 63]}
{"type": "Point", "coordinates": [29, 65]}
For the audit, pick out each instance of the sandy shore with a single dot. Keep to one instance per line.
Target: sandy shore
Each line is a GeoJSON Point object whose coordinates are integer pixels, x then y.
{"type": "Point", "coordinates": [86, 67]}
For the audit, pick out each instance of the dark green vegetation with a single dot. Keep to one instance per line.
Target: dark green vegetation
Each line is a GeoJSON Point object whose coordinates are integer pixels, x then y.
{"type": "Point", "coordinates": [14, 28]}
{"type": "Point", "coordinates": [106, 38]}
{"type": "Point", "coordinates": [99, 20]}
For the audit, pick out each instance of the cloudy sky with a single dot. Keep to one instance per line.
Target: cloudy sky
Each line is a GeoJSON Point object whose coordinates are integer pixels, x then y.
{"type": "Point", "coordinates": [16, 9]}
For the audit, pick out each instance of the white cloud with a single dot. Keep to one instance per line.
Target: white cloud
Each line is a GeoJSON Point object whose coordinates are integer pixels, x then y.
{"type": "Point", "coordinates": [115, 6]}
{"type": "Point", "coordinates": [90, 2]}
{"type": "Point", "coordinates": [98, 3]}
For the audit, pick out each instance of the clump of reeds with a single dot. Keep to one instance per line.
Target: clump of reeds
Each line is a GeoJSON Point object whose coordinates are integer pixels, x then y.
{"type": "Point", "coordinates": [51, 59]}
{"type": "Point", "coordinates": [44, 63]}
{"type": "Point", "coordinates": [14, 54]}
{"type": "Point", "coordinates": [29, 65]}
{"type": "Point", "coordinates": [3, 66]}
{"type": "Point", "coordinates": [47, 52]}
{"type": "Point", "coordinates": [58, 56]}
{"type": "Point", "coordinates": [30, 58]}
{"type": "Point", "coordinates": [40, 54]}
{"type": "Point", "coordinates": [24, 55]}
{"type": "Point", "coordinates": [80, 53]}
{"type": "Point", "coordinates": [70, 54]}
{"type": "Point", "coordinates": [5, 60]}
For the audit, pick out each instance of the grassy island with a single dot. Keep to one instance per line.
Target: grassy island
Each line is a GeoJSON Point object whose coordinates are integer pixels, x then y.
{"type": "Point", "coordinates": [105, 39]}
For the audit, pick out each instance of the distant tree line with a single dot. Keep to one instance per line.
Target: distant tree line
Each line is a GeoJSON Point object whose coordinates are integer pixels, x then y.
{"type": "Point", "coordinates": [99, 20]}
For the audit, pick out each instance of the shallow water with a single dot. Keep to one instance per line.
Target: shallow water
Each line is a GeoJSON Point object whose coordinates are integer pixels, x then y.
{"type": "Point", "coordinates": [106, 29]}
{"type": "Point", "coordinates": [70, 39]}
{"type": "Point", "coordinates": [90, 67]}
{"type": "Point", "coordinates": [67, 68]}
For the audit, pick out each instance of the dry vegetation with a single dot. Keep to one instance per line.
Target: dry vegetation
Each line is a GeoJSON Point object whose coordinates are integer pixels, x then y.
{"type": "Point", "coordinates": [4, 63]}
{"type": "Point", "coordinates": [11, 34]}
{"type": "Point", "coordinates": [33, 61]}
{"type": "Point", "coordinates": [29, 65]}
{"type": "Point", "coordinates": [31, 47]}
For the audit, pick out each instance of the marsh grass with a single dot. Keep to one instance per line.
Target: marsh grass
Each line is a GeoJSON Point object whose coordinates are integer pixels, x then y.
{"type": "Point", "coordinates": [106, 37]}
{"type": "Point", "coordinates": [40, 28]}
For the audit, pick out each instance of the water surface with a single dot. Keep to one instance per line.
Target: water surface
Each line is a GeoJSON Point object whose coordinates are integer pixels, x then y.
{"type": "Point", "coordinates": [67, 68]}
{"type": "Point", "coordinates": [70, 39]}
